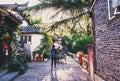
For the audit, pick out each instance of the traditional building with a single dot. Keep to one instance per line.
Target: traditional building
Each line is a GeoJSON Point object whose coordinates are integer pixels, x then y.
{"type": "Point", "coordinates": [31, 38]}
{"type": "Point", "coordinates": [106, 19]}
{"type": "Point", "coordinates": [9, 21]}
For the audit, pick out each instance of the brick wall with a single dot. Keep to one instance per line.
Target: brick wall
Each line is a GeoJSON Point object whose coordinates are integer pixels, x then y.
{"type": "Point", "coordinates": [107, 43]}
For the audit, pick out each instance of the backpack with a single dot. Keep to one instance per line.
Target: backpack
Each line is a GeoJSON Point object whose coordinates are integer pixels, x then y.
{"type": "Point", "coordinates": [53, 53]}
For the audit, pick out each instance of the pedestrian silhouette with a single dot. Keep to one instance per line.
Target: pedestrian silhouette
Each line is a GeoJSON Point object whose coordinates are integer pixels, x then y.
{"type": "Point", "coordinates": [53, 57]}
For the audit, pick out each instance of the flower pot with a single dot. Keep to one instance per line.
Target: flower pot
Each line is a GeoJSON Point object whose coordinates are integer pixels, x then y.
{"type": "Point", "coordinates": [38, 58]}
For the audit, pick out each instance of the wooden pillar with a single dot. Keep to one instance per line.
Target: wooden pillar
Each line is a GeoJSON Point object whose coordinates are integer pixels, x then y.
{"type": "Point", "coordinates": [1, 48]}
{"type": "Point", "coordinates": [2, 56]}
{"type": "Point", "coordinates": [91, 60]}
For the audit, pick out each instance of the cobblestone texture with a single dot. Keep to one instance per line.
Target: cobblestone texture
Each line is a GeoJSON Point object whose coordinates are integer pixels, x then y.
{"type": "Point", "coordinates": [65, 71]}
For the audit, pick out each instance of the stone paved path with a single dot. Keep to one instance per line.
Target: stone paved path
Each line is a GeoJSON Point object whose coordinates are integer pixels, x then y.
{"type": "Point", "coordinates": [65, 71]}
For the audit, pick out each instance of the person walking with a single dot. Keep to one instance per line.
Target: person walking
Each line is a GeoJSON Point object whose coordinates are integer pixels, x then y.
{"type": "Point", "coordinates": [80, 57]}
{"type": "Point", "coordinates": [53, 56]}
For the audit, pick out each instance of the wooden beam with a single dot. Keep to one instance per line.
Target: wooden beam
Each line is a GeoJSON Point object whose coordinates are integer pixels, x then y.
{"type": "Point", "coordinates": [3, 12]}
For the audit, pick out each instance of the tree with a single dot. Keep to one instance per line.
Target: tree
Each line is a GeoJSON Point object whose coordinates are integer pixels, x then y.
{"type": "Point", "coordinates": [44, 47]}
{"type": "Point", "coordinates": [77, 27]}
{"type": "Point", "coordinates": [80, 44]}
{"type": "Point", "coordinates": [79, 19]}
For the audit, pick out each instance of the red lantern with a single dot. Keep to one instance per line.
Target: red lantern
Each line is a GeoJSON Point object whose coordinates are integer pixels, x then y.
{"type": "Point", "coordinates": [5, 45]}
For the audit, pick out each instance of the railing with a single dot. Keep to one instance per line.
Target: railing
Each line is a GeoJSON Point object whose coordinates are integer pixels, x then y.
{"type": "Point", "coordinates": [71, 54]}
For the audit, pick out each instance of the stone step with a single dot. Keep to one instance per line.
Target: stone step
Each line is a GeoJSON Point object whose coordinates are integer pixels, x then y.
{"type": "Point", "coordinates": [3, 72]}
{"type": "Point", "coordinates": [9, 76]}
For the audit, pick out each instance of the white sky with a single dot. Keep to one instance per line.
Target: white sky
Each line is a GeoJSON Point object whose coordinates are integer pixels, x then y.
{"type": "Point", "coordinates": [31, 2]}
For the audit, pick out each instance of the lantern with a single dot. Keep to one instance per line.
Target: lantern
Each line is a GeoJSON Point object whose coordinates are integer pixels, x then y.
{"type": "Point", "coordinates": [5, 45]}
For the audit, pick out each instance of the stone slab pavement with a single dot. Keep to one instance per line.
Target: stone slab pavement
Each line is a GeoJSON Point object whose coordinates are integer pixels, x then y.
{"type": "Point", "coordinates": [65, 71]}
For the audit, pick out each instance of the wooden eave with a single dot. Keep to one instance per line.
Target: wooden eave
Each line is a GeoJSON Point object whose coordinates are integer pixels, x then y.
{"type": "Point", "coordinates": [4, 12]}
{"type": "Point", "coordinates": [11, 16]}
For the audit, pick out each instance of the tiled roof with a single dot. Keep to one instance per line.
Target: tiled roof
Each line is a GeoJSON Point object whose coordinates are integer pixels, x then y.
{"type": "Point", "coordinates": [15, 6]}
{"type": "Point", "coordinates": [30, 29]}
{"type": "Point", "coordinates": [11, 10]}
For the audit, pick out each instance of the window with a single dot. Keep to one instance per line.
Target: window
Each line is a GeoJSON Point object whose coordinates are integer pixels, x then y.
{"type": "Point", "coordinates": [113, 8]}
{"type": "Point", "coordinates": [25, 41]}
{"type": "Point", "coordinates": [117, 10]}
{"type": "Point", "coordinates": [29, 39]}
{"type": "Point", "coordinates": [114, 3]}
{"type": "Point", "coordinates": [116, 6]}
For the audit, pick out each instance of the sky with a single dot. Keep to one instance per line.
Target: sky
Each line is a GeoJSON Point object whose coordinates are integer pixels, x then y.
{"type": "Point", "coordinates": [31, 2]}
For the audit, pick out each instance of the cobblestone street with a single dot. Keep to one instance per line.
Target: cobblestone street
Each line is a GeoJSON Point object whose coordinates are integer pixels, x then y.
{"type": "Point", "coordinates": [65, 71]}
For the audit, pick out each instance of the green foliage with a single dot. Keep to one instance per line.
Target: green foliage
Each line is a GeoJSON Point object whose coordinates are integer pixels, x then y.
{"type": "Point", "coordinates": [18, 63]}
{"type": "Point", "coordinates": [44, 47]}
{"type": "Point", "coordinates": [46, 54]}
{"type": "Point", "coordinates": [69, 42]}
{"type": "Point", "coordinates": [37, 21]}
{"type": "Point", "coordinates": [59, 50]}
{"type": "Point", "coordinates": [79, 24]}
{"type": "Point", "coordinates": [46, 43]}
{"type": "Point", "coordinates": [80, 44]}
{"type": "Point", "coordinates": [64, 4]}
{"type": "Point", "coordinates": [79, 17]}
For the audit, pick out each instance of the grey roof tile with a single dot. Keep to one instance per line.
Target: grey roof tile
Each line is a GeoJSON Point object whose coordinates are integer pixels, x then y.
{"type": "Point", "coordinates": [30, 29]}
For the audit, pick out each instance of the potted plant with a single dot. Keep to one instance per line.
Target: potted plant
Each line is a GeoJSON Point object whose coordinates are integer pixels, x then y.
{"type": "Point", "coordinates": [38, 55]}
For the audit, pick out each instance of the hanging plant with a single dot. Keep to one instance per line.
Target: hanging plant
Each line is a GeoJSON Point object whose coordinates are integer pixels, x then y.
{"type": "Point", "coordinates": [6, 36]}
{"type": "Point", "coordinates": [5, 39]}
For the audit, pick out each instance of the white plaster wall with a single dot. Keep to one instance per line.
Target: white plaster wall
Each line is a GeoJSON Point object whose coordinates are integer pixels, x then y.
{"type": "Point", "coordinates": [35, 41]}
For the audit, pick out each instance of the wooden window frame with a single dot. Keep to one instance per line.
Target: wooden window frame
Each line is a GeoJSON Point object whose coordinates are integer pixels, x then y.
{"type": "Point", "coordinates": [115, 9]}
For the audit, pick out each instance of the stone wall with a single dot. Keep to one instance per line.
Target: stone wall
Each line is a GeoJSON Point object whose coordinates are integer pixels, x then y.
{"type": "Point", "coordinates": [107, 43]}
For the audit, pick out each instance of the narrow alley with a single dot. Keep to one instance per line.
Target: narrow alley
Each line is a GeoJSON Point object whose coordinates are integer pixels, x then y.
{"type": "Point", "coordinates": [65, 71]}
